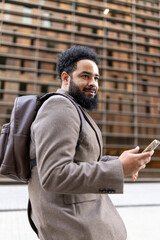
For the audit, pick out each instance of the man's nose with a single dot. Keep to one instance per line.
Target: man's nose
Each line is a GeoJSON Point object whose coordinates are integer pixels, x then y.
{"type": "Point", "coordinates": [93, 82]}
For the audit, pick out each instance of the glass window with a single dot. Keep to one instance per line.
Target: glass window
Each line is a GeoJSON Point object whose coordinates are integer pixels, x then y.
{"type": "Point", "coordinates": [46, 22]}
{"type": "Point", "coordinates": [27, 19]}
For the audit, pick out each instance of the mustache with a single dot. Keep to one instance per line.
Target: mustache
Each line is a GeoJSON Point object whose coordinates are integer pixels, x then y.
{"type": "Point", "coordinates": [90, 89]}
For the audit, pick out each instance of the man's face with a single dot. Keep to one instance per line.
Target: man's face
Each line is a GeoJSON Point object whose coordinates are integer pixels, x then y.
{"type": "Point", "coordinates": [83, 84]}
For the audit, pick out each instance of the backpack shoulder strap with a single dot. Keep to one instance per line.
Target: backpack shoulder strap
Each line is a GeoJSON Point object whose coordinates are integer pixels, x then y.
{"type": "Point", "coordinates": [82, 133]}
{"type": "Point", "coordinates": [29, 212]}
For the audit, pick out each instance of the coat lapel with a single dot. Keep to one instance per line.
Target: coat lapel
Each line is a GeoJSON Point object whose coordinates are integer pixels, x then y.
{"type": "Point", "coordinates": [91, 122]}
{"type": "Point", "coordinates": [94, 126]}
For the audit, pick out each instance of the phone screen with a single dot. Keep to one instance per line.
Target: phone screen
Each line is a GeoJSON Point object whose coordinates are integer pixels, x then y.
{"type": "Point", "coordinates": [152, 146]}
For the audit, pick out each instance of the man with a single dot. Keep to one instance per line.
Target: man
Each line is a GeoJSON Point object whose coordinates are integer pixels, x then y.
{"type": "Point", "coordinates": [69, 186]}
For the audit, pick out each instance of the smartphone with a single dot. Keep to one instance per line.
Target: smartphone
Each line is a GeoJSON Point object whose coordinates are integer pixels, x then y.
{"type": "Point", "coordinates": [152, 146]}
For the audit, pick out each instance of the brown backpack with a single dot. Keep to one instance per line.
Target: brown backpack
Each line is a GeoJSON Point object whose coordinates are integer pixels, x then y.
{"type": "Point", "coordinates": [15, 135]}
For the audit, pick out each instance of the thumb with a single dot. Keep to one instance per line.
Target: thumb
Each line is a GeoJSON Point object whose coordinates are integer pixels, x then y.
{"type": "Point", "coordinates": [134, 150]}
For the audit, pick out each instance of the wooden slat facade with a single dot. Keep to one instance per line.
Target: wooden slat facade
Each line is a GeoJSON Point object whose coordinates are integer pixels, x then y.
{"type": "Point", "coordinates": [127, 40]}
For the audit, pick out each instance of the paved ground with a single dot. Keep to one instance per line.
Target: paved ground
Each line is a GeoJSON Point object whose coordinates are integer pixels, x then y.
{"type": "Point", "coordinates": [139, 207]}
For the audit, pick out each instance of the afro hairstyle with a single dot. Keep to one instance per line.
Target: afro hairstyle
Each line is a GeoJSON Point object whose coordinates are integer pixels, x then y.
{"type": "Point", "coordinates": [67, 61]}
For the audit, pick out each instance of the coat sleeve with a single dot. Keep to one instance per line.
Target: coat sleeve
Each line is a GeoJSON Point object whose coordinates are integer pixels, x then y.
{"type": "Point", "coordinates": [55, 133]}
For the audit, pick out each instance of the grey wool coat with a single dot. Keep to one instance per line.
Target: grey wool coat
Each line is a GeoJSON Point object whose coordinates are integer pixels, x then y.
{"type": "Point", "coordinates": [69, 187]}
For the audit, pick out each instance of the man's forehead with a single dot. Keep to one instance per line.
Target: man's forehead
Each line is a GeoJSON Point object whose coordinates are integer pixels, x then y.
{"type": "Point", "coordinates": [86, 64]}
{"type": "Point", "coordinates": [83, 61]}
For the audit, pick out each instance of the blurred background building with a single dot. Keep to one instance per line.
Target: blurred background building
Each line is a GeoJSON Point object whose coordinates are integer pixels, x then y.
{"type": "Point", "coordinates": [126, 36]}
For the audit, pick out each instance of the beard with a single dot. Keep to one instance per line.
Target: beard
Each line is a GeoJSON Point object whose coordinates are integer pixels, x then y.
{"type": "Point", "coordinates": [89, 102]}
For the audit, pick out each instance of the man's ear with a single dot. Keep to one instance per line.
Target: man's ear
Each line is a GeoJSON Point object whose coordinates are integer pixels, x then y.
{"type": "Point", "coordinates": [65, 79]}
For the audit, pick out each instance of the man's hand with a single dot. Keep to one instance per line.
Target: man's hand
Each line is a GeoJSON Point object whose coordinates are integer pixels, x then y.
{"type": "Point", "coordinates": [133, 162]}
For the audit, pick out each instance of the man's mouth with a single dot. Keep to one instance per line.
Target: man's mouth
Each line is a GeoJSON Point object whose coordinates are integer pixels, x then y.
{"type": "Point", "coordinates": [90, 91]}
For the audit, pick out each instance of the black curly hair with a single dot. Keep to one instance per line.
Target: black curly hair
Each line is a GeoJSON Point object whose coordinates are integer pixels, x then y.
{"type": "Point", "coordinates": [68, 59]}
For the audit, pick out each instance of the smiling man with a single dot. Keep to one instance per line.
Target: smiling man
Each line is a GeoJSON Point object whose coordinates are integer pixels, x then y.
{"type": "Point", "coordinates": [82, 85]}
{"type": "Point", "coordinates": [69, 184]}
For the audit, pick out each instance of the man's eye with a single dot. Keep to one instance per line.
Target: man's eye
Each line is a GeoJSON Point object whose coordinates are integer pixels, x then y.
{"type": "Point", "coordinates": [85, 76]}
{"type": "Point", "coordinates": [96, 79]}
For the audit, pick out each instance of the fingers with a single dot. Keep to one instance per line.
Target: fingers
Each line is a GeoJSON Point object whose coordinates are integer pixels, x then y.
{"type": "Point", "coordinates": [134, 150]}
{"type": "Point", "coordinates": [134, 177]}
{"type": "Point", "coordinates": [142, 167]}
{"type": "Point", "coordinates": [133, 161]}
{"type": "Point", "coordinates": [147, 154]}
{"type": "Point", "coordinates": [144, 154]}
{"type": "Point", "coordinates": [146, 158]}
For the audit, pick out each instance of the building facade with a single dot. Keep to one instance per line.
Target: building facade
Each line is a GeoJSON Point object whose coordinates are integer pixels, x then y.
{"type": "Point", "coordinates": [127, 40]}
